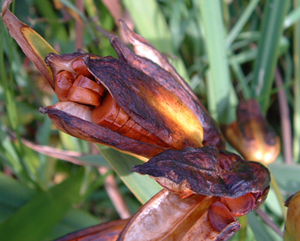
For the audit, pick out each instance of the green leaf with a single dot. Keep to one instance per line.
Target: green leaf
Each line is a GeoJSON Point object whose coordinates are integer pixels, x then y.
{"type": "Point", "coordinates": [220, 93]}
{"type": "Point", "coordinates": [262, 233]}
{"type": "Point", "coordinates": [95, 160]}
{"type": "Point", "coordinates": [151, 24]}
{"type": "Point", "coordinates": [36, 219]}
{"type": "Point", "coordinates": [143, 187]}
{"type": "Point", "coordinates": [272, 27]}
{"type": "Point", "coordinates": [287, 176]}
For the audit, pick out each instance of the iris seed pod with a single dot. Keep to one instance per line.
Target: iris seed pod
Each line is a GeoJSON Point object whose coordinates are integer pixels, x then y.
{"type": "Point", "coordinates": [134, 106]}
{"type": "Point", "coordinates": [251, 135]}
{"type": "Point", "coordinates": [292, 225]}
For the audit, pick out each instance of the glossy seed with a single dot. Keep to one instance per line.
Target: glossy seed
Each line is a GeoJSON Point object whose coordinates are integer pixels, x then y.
{"type": "Point", "coordinates": [84, 96]}
{"type": "Point", "coordinates": [87, 83]}
{"type": "Point", "coordinates": [106, 113]}
{"type": "Point", "coordinates": [63, 83]}
{"type": "Point", "coordinates": [241, 205]}
{"type": "Point", "coordinates": [219, 216]}
{"type": "Point", "coordinates": [81, 69]}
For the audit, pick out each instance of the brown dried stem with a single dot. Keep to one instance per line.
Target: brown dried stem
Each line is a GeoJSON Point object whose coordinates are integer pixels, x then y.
{"type": "Point", "coordinates": [113, 191]}
{"type": "Point", "coordinates": [265, 217]}
{"type": "Point", "coordinates": [79, 26]}
{"type": "Point", "coordinates": [285, 120]}
{"type": "Point", "coordinates": [114, 194]}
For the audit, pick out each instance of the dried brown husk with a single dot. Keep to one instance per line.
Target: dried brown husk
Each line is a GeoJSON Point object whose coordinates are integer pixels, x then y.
{"type": "Point", "coordinates": [102, 232]}
{"type": "Point", "coordinates": [252, 135]}
{"type": "Point", "coordinates": [207, 171]}
{"type": "Point", "coordinates": [168, 217]}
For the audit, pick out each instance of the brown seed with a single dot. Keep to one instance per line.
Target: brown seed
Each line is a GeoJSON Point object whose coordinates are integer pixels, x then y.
{"type": "Point", "coordinates": [80, 67]}
{"type": "Point", "coordinates": [241, 205]}
{"type": "Point", "coordinates": [84, 96]}
{"type": "Point", "coordinates": [87, 83]}
{"type": "Point", "coordinates": [121, 119]}
{"type": "Point", "coordinates": [219, 216]}
{"type": "Point", "coordinates": [127, 126]}
{"type": "Point", "coordinates": [63, 83]}
{"type": "Point", "coordinates": [106, 113]}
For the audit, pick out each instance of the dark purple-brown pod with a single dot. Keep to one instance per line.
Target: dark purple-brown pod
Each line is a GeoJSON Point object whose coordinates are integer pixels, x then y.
{"type": "Point", "coordinates": [165, 74]}
{"type": "Point", "coordinates": [207, 171]}
{"type": "Point", "coordinates": [140, 108]}
{"type": "Point", "coordinates": [251, 135]}
{"type": "Point", "coordinates": [148, 103]}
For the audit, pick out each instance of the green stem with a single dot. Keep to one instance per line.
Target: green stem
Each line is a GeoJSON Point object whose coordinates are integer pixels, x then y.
{"type": "Point", "coordinates": [276, 188]}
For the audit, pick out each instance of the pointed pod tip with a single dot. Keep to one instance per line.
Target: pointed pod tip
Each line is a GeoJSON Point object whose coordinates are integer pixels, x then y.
{"type": "Point", "coordinates": [43, 110]}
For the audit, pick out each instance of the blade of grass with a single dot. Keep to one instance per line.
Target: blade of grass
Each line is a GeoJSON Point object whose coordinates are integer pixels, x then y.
{"type": "Point", "coordinates": [296, 117]}
{"type": "Point", "coordinates": [272, 26]}
{"type": "Point", "coordinates": [293, 17]}
{"type": "Point", "coordinates": [143, 187]}
{"type": "Point", "coordinates": [219, 85]}
{"type": "Point", "coordinates": [32, 44]}
{"type": "Point", "coordinates": [58, 30]}
{"type": "Point", "coordinates": [238, 26]}
{"type": "Point", "coordinates": [38, 217]}
{"type": "Point", "coordinates": [151, 24]}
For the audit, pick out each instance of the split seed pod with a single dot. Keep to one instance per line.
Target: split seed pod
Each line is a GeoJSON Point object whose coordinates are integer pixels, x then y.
{"type": "Point", "coordinates": [168, 217]}
{"type": "Point", "coordinates": [251, 135]}
{"type": "Point", "coordinates": [222, 185]}
{"type": "Point", "coordinates": [129, 110]}
{"type": "Point", "coordinates": [130, 103]}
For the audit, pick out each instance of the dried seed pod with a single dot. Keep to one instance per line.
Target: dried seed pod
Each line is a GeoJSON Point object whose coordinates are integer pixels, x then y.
{"type": "Point", "coordinates": [134, 105]}
{"type": "Point", "coordinates": [207, 171]}
{"type": "Point", "coordinates": [167, 217]}
{"type": "Point", "coordinates": [292, 225]}
{"type": "Point", "coordinates": [251, 135]}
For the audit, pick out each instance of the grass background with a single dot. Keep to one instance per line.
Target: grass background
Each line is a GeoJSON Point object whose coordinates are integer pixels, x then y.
{"type": "Point", "coordinates": [224, 50]}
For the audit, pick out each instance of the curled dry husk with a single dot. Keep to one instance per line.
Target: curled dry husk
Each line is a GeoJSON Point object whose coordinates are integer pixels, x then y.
{"type": "Point", "coordinates": [251, 135]}
{"type": "Point", "coordinates": [168, 217]}
{"type": "Point", "coordinates": [102, 232]}
{"type": "Point", "coordinates": [292, 225]}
